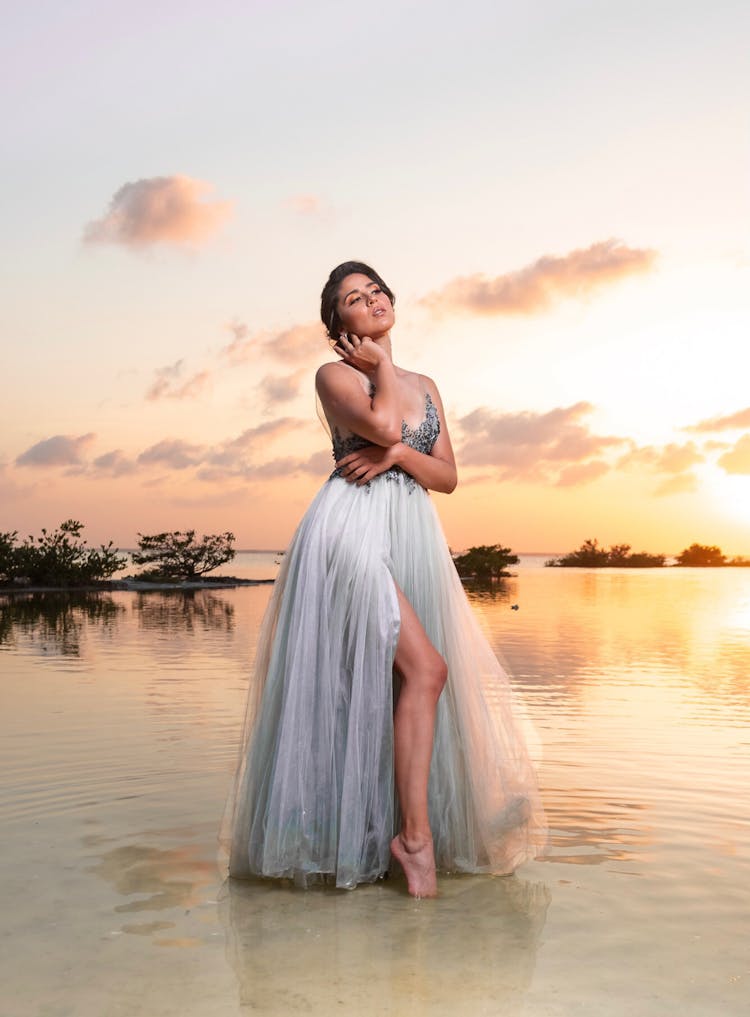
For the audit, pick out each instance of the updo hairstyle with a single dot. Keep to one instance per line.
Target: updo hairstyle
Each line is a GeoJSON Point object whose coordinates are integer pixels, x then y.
{"type": "Point", "coordinates": [329, 297]}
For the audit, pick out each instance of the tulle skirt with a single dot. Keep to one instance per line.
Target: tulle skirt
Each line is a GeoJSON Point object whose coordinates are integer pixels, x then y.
{"type": "Point", "coordinates": [314, 794]}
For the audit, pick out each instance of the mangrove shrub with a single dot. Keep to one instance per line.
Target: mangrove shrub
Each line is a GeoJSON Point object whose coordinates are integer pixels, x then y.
{"type": "Point", "coordinates": [59, 558]}
{"type": "Point", "coordinates": [178, 555]}
{"type": "Point", "coordinates": [487, 561]}
{"type": "Point", "coordinates": [591, 555]}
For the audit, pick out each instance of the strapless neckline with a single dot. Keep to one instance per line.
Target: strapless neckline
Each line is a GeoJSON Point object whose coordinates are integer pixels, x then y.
{"type": "Point", "coordinates": [427, 404]}
{"type": "Point", "coordinates": [421, 437]}
{"type": "Point", "coordinates": [409, 428]}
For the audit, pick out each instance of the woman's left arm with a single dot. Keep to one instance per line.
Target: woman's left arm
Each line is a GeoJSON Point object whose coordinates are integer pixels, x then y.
{"type": "Point", "coordinates": [436, 471]}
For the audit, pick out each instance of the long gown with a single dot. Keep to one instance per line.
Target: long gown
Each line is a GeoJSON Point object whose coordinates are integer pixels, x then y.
{"type": "Point", "coordinates": [313, 797]}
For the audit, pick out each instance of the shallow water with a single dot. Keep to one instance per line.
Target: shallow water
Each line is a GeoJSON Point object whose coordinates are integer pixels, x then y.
{"type": "Point", "coordinates": [120, 719]}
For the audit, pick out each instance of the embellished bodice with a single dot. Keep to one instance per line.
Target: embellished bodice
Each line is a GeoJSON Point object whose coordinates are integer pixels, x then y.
{"type": "Point", "coordinates": [422, 438]}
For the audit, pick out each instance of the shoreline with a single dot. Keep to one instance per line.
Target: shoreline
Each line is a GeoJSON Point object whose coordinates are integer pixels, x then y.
{"type": "Point", "coordinates": [232, 582]}
{"type": "Point", "coordinates": [137, 586]}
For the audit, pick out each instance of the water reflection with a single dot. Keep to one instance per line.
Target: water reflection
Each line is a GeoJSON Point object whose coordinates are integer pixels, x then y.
{"type": "Point", "coordinates": [154, 879]}
{"type": "Point", "coordinates": [488, 590]}
{"type": "Point", "coordinates": [183, 611]}
{"type": "Point", "coordinates": [573, 629]}
{"type": "Point", "coordinates": [638, 686]}
{"type": "Point", "coordinates": [55, 622]}
{"type": "Point", "coordinates": [375, 951]}
{"type": "Point", "coordinates": [588, 829]}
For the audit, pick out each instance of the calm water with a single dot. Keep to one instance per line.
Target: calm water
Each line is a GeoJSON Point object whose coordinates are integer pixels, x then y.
{"type": "Point", "coordinates": [120, 719]}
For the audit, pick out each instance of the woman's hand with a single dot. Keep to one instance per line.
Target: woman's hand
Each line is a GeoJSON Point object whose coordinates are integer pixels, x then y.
{"type": "Point", "coordinates": [361, 466]}
{"type": "Point", "coordinates": [362, 353]}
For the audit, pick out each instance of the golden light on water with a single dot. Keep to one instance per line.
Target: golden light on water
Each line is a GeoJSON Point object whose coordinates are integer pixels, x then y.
{"type": "Point", "coordinates": [123, 721]}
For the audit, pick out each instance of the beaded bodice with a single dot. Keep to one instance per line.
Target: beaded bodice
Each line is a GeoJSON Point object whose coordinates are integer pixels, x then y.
{"type": "Point", "coordinates": [422, 438]}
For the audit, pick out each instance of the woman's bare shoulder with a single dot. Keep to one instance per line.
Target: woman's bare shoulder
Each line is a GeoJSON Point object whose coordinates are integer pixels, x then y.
{"type": "Point", "coordinates": [327, 372]}
{"type": "Point", "coordinates": [333, 374]}
{"type": "Point", "coordinates": [336, 378]}
{"type": "Point", "coordinates": [429, 385]}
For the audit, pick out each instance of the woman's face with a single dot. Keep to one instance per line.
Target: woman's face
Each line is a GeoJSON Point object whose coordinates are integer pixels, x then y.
{"type": "Point", "coordinates": [363, 307]}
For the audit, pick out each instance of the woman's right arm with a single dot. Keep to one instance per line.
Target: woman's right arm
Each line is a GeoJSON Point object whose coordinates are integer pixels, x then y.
{"type": "Point", "coordinates": [345, 401]}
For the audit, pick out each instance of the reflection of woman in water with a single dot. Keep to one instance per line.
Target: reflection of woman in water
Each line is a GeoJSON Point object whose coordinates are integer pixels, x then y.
{"type": "Point", "coordinates": [473, 951]}
{"type": "Point", "coordinates": [371, 669]}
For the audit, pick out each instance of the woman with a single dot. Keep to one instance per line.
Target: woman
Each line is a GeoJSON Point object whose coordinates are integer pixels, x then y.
{"type": "Point", "coordinates": [371, 667]}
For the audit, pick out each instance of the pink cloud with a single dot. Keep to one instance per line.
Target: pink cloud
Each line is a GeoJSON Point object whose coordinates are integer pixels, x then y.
{"type": "Point", "coordinates": [159, 210]}
{"type": "Point", "coordinates": [59, 450]}
{"type": "Point", "coordinates": [318, 464]}
{"type": "Point", "coordinates": [238, 351]}
{"type": "Point", "coordinates": [277, 389]}
{"type": "Point", "coordinates": [173, 453]}
{"type": "Point", "coordinates": [236, 456]}
{"type": "Point", "coordinates": [167, 383]}
{"type": "Point", "coordinates": [298, 345]}
{"type": "Point", "coordinates": [114, 463]}
{"type": "Point", "coordinates": [549, 279]}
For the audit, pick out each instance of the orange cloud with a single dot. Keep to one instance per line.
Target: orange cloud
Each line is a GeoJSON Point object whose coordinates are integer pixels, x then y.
{"type": "Point", "coordinates": [159, 210]}
{"type": "Point", "coordinates": [541, 447]}
{"type": "Point", "coordinates": [300, 344]}
{"type": "Point", "coordinates": [165, 385]}
{"type": "Point", "coordinates": [733, 421]}
{"type": "Point", "coordinates": [679, 458]}
{"type": "Point", "coordinates": [537, 286]}
{"type": "Point", "coordinates": [673, 459]}
{"type": "Point", "coordinates": [59, 450]}
{"type": "Point", "coordinates": [737, 460]}
{"type": "Point", "coordinates": [670, 458]}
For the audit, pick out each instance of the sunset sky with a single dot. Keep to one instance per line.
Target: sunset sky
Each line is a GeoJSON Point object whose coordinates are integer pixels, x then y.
{"type": "Point", "coordinates": [557, 192]}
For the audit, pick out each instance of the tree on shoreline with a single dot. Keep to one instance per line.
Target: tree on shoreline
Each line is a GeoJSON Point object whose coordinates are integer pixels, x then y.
{"type": "Point", "coordinates": [591, 555]}
{"type": "Point", "coordinates": [178, 555]}
{"type": "Point", "coordinates": [486, 561]}
{"type": "Point", "coordinates": [59, 558]}
{"type": "Point", "coordinates": [703, 555]}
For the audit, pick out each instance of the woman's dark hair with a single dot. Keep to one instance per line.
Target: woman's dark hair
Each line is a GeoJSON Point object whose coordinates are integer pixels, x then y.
{"type": "Point", "coordinates": [329, 297]}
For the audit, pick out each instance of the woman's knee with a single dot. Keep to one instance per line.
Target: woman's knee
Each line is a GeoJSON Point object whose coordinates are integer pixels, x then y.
{"type": "Point", "coordinates": [417, 661]}
{"type": "Point", "coordinates": [440, 673]}
{"type": "Point", "coordinates": [433, 675]}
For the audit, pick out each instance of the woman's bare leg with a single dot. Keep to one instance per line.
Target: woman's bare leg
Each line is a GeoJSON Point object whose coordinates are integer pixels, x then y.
{"type": "Point", "coordinates": [423, 672]}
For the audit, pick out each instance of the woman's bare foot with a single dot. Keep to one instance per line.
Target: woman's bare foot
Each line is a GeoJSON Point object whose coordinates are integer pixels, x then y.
{"type": "Point", "coordinates": [418, 863]}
